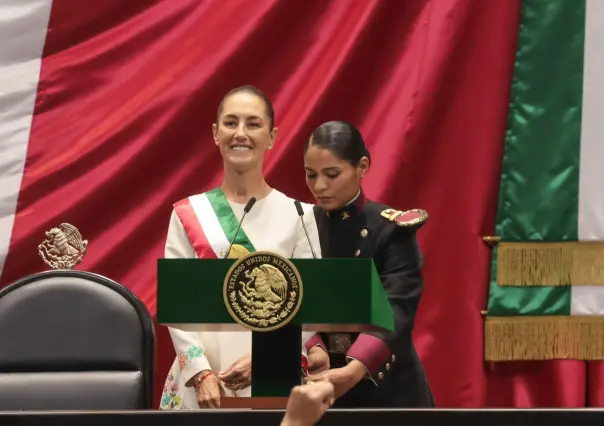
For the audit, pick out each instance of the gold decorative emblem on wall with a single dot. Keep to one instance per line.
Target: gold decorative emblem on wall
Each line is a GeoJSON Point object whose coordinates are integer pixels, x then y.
{"type": "Point", "coordinates": [63, 247]}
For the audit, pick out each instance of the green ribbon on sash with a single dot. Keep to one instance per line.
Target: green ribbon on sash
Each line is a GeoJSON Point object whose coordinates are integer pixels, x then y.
{"type": "Point", "coordinates": [228, 220]}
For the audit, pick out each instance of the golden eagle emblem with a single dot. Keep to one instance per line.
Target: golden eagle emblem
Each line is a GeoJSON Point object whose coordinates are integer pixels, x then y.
{"type": "Point", "coordinates": [263, 291]}
{"type": "Point", "coordinates": [63, 247]}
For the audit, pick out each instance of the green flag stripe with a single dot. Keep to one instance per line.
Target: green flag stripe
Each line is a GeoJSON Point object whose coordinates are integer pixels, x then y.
{"type": "Point", "coordinates": [228, 220]}
{"type": "Point", "coordinates": [538, 195]}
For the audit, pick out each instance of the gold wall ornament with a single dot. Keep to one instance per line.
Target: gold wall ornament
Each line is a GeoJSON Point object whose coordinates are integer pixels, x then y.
{"type": "Point", "coordinates": [262, 291]}
{"type": "Point", "coordinates": [63, 247]}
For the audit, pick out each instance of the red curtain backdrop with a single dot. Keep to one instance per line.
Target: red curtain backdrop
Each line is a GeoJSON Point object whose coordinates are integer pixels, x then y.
{"type": "Point", "coordinates": [122, 129]}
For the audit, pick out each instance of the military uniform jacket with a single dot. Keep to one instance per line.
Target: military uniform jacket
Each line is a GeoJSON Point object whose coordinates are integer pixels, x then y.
{"type": "Point", "coordinates": [396, 377]}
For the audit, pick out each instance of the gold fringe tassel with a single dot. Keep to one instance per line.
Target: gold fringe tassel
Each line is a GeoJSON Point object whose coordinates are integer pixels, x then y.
{"type": "Point", "coordinates": [544, 338]}
{"type": "Point", "coordinates": [550, 264]}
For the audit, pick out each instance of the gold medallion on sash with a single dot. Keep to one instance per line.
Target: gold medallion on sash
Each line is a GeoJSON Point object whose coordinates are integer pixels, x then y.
{"type": "Point", "coordinates": [236, 252]}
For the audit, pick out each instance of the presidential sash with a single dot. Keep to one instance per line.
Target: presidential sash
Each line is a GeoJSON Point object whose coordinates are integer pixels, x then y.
{"type": "Point", "coordinates": [210, 224]}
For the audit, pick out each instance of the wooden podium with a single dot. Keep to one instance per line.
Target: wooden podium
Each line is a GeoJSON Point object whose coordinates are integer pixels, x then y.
{"type": "Point", "coordinates": [344, 295]}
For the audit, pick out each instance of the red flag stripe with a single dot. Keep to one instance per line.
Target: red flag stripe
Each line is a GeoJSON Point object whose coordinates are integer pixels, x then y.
{"type": "Point", "coordinates": [193, 228]}
{"type": "Point", "coordinates": [129, 90]}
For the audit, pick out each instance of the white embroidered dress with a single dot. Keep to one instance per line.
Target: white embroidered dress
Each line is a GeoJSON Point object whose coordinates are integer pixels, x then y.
{"type": "Point", "coordinates": [272, 224]}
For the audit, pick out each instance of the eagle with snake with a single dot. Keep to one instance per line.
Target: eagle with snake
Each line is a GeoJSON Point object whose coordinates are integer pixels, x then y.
{"type": "Point", "coordinates": [64, 247]}
{"type": "Point", "coordinates": [269, 284]}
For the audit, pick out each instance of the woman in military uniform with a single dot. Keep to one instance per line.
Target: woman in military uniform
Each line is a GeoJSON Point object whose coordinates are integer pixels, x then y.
{"type": "Point", "coordinates": [374, 369]}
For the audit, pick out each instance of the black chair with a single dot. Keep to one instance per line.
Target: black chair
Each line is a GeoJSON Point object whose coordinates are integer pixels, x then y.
{"type": "Point", "coordinates": [73, 340]}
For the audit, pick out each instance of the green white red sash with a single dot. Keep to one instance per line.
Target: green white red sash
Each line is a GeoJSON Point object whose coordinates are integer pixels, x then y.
{"type": "Point", "coordinates": [210, 224]}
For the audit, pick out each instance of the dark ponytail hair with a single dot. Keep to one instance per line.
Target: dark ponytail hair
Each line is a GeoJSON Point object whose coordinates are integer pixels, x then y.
{"type": "Point", "coordinates": [342, 139]}
{"type": "Point", "coordinates": [270, 111]}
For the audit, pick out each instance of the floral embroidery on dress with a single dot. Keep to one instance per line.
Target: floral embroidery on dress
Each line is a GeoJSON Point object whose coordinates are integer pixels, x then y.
{"type": "Point", "coordinates": [170, 400]}
{"type": "Point", "coordinates": [195, 352]}
{"type": "Point", "coordinates": [182, 361]}
{"type": "Point", "coordinates": [192, 352]}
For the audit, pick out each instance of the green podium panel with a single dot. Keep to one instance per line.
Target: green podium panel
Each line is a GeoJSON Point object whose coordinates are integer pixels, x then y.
{"type": "Point", "coordinates": [338, 294]}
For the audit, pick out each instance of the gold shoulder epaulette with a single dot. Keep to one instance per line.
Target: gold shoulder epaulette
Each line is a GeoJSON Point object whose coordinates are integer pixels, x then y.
{"type": "Point", "coordinates": [408, 219]}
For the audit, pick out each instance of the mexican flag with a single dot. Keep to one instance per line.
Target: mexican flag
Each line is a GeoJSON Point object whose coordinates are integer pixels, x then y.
{"type": "Point", "coordinates": [546, 295]}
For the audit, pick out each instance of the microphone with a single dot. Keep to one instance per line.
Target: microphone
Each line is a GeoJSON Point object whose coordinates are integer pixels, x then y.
{"type": "Point", "coordinates": [301, 213]}
{"type": "Point", "coordinates": [246, 210]}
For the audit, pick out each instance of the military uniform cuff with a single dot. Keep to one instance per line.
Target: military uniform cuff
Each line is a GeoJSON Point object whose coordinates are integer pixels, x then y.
{"type": "Point", "coordinates": [315, 341]}
{"type": "Point", "coordinates": [371, 352]}
{"type": "Point", "coordinates": [349, 358]}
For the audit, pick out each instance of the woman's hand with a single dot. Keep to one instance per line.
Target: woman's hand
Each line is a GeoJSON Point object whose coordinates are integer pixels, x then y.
{"type": "Point", "coordinates": [318, 360]}
{"type": "Point", "coordinates": [343, 379]}
{"type": "Point", "coordinates": [208, 390]}
{"type": "Point", "coordinates": [239, 375]}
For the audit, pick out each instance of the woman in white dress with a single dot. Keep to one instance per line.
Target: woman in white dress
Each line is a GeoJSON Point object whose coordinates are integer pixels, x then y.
{"type": "Point", "coordinates": [209, 365]}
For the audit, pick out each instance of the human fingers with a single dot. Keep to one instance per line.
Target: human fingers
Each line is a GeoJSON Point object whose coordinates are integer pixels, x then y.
{"type": "Point", "coordinates": [212, 392]}
{"type": "Point", "coordinates": [235, 373]}
{"type": "Point", "coordinates": [321, 390]}
{"type": "Point", "coordinates": [237, 385]}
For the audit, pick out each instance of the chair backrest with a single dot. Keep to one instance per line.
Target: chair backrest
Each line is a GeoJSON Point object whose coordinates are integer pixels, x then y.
{"type": "Point", "coordinates": [74, 340]}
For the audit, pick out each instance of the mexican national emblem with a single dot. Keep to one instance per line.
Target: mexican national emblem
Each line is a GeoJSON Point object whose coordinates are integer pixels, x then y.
{"type": "Point", "coordinates": [263, 291]}
{"type": "Point", "coordinates": [63, 248]}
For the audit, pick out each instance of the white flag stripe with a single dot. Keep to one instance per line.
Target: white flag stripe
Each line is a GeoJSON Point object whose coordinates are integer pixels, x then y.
{"type": "Point", "coordinates": [23, 28]}
{"type": "Point", "coordinates": [589, 300]}
{"type": "Point", "coordinates": [209, 223]}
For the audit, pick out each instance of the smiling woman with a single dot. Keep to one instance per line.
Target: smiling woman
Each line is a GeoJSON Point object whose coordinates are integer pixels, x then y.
{"type": "Point", "coordinates": [244, 130]}
{"type": "Point", "coordinates": [210, 365]}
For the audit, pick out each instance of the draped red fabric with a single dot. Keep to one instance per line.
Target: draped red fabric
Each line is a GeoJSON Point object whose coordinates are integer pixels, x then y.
{"type": "Point", "coordinates": [595, 384]}
{"type": "Point", "coordinates": [122, 129]}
